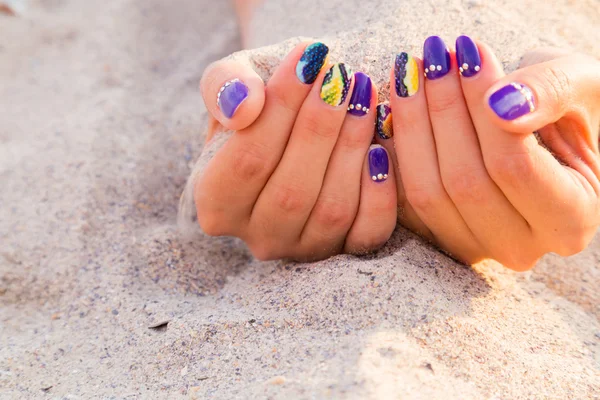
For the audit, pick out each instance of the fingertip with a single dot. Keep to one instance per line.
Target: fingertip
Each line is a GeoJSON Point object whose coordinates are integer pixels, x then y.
{"type": "Point", "coordinates": [233, 93]}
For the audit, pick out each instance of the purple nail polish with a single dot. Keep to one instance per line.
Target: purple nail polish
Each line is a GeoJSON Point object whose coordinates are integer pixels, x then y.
{"type": "Point", "coordinates": [360, 102]}
{"type": "Point", "coordinates": [512, 101]}
{"type": "Point", "coordinates": [379, 164]}
{"type": "Point", "coordinates": [436, 57]}
{"type": "Point", "coordinates": [467, 56]}
{"type": "Point", "coordinates": [231, 95]}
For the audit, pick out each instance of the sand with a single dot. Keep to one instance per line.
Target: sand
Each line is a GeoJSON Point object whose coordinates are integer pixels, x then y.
{"type": "Point", "coordinates": [100, 125]}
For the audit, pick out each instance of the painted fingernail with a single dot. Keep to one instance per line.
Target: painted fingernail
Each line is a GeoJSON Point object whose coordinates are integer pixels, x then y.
{"type": "Point", "coordinates": [360, 101]}
{"type": "Point", "coordinates": [385, 129]}
{"type": "Point", "coordinates": [231, 95]}
{"type": "Point", "coordinates": [379, 164]}
{"type": "Point", "coordinates": [311, 62]}
{"type": "Point", "coordinates": [336, 84]}
{"type": "Point", "coordinates": [406, 73]}
{"type": "Point", "coordinates": [512, 101]}
{"type": "Point", "coordinates": [436, 57]}
{"type": "Point", "coordinates": [467, 56]}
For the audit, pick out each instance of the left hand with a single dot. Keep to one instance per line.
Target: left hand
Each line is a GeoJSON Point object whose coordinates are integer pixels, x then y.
{"type": "Point", "coordinates": [473, 176]}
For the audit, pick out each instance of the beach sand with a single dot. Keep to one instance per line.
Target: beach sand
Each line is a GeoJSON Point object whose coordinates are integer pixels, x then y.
{"type": "Point", "coordinates": [100, 125]}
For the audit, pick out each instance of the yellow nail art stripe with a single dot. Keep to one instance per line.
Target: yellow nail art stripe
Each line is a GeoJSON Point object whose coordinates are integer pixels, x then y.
{"type": "Point", "coordinates": [411, 80]}
{"type": "Point", "coordinates": [336, 84]}
{"type": "Point", "coordinates": [406, 75]}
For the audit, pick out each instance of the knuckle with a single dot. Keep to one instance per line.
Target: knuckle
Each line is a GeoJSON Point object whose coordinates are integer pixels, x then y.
{"type": "Point", "coordinates": [248, 163]}
{"type": "Point", "coordinates": [263, 251]}
{"type": "Point", "coordinates": [466, 184]}
{"type": "Point", "coordinates": [290, 199]}
{"type": "Point", "coordinates": [369, 242]}
{"type": "Point", "coordinates": [210, 224]}
{"type": "Point", "coordinates": [557, 86]}
{"type": "Point", "coordinates": [352, 141]}
{"type": "Point", "coordinates": [285, 100]}
{"type": "Point", "coordinates": [423, 198]}
{"type": "Point", "coordinates": [334, 214]}
{"type": "Point", "coordinates": [445, 103]}
{"type": "Point", "coordinates": [510, 167]}
{"type": "Point", "coordinates": [320, 128]}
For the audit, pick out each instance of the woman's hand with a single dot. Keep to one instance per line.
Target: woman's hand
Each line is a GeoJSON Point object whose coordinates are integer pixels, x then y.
{"type": "Point", "coordinates": [475, 179]}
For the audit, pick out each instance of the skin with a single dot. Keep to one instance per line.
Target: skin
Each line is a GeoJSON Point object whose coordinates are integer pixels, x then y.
{"type": "Point", "coordinates": [263, 188]}
{"type": "Point", "coordinates": [482, 187]}
{"type": "Point", "coordinates": [477, 186]}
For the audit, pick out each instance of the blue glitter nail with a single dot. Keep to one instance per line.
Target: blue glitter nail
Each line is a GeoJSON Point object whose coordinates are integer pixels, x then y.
{"type": "Point", "coordinates": [311, 62]}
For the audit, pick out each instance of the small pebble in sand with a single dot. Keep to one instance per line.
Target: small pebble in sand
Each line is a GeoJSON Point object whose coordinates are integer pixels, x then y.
{"type": "Point", "coordinates": [278, 380]}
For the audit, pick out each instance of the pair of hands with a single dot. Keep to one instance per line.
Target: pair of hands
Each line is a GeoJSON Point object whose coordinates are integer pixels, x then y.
{"type": "Point", "coordinates": [294, 180]}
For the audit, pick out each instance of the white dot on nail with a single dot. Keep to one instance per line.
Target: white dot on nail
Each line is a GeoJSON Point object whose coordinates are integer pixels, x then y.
{"type": "Point", "coordinates": [379, 176]}
{"type": "Point", "coordinates": [374, 177]}
{"type": "Point", "coordinates": [426, 70]}
{"type": "Point", "coordinates": [477, 68]}
{"type": "Point", "coordinates": [439, 67]}
{"type": "Point", "coordinates": [461, 70]}
{"type": "Point", "coordinates": [432, 67]}
{"type": "Point", "coordinates": [465, 66]}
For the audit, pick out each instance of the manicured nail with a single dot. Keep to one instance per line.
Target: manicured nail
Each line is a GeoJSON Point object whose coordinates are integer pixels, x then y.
{"type": "Point", "coordinates": [311, 62]}
{"type": "Point", "coordinates": [336, 84]}
{"type": "Point", "coordinates": [385, 129]}
{"type": "Point", "coordinates": [231, 95]}
{"type": "Point", "coordinates": [406, 72]}
{"type": "Point", "coordinates": [360, 102]}
{"type": "Point", "coordinates": [512, 101]}
{"type": "Point", "coordinates": [379, 164]}
{"type": "Point", "coordinates": [467, 56]}
{"type": "Point", "coordinates": [436, 57]}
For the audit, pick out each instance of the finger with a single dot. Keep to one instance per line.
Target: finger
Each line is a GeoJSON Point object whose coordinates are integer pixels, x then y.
{"type": "Point", "coordinates": [384, 132]}
{"type": "Point", "coordinates": [489, 215]}
{"type": "Point", "coordinates": [294, 186]}
{"type": "Point", "coordinates": [376, 218]}
{"type": "Point", "coordinates": [417, 159]}
{"type": "Point", "coordinates": [337, 204]}
{"type": "Point", "coordinates": [233, 93]}
{"type": "Point", "coordinates": [554, 199]}
{"type": "Point", "coordinates": [235, 176]}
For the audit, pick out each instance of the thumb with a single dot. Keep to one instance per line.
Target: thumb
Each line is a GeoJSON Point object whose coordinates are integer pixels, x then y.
{"type": "Point", "coordinates": [537, 95]}
{"type": "Point", "coordinates": [233, 93]}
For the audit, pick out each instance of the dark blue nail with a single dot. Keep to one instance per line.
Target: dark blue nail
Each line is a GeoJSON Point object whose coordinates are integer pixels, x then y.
{"type": "Point", "coordinates": [436, 57]}
{"type": "Point", "coordinates": [360, 102]}
{"type": "Point", "coordinates": [379, 165]}
{"type": "Point", "coordinates": [512, 101]}
{"type": "Point", "coordinates": [311, 62]}
{"type": "Point", "coordinates": [467, 56]}
{"type": "Point", "coordinates": [231, 95]}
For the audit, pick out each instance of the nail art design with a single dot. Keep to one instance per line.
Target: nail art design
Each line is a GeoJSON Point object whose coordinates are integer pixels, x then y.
{"type": "Point", "coordinates": [379, 164]}
{"type": "Point", "coordinates": [231, 95]}
{"type": "Point", "coordinates": [406, 73]}
{"type": "Point", "coordinates": [336, 84]}
{"type": "Point", "coordinates": [467, 56]}
{"type": "Point", "coordinates": [311, 62]}
{"type": "Point", "coordinates": [385, 129]}
{"type": "Point", "coordinates": [436, 58]}
{"type": "Point", "coordinates": [360, 102]}
{"type": "Point", "coordinates": [512, 101]}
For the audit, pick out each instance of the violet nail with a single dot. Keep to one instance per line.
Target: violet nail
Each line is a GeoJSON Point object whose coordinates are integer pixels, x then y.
{"type": "Point", "coordinates": [360, 102]}
{"type": "Point", "coordinates": [467, 56]}
{"type": "Point", "coordinates": [379, 164]}
{"type": "Point", "coordinates": [512, 101]}
{"type": "Point", "coordinates": [231, 95]}
{"type": "Point", "coordinates": [436, 57]}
